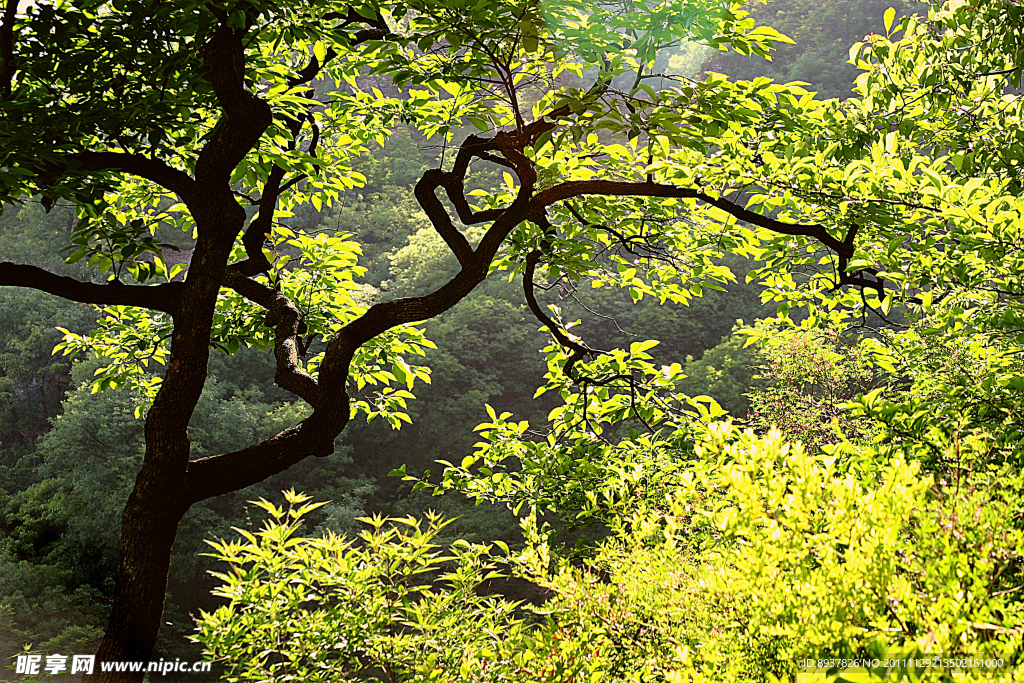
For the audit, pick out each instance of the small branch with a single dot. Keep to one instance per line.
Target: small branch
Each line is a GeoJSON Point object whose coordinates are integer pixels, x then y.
{"type": "Point", "coordinates": [576, 188]}
{"type": "Point", "coordinates": [439, 218]}
{"type": "Point", "coordinates": [260, 227]}
{"type": "Point", "coordinates": [579, 351]}
{"type": "Point", "coordinates": [154, 170]}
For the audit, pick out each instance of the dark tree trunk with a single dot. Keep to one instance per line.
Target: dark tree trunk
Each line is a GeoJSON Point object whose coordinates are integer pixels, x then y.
{"type": "Point", "coordinates": [148, 528]}
{"type": "Point", "coordinates": [159, 500]}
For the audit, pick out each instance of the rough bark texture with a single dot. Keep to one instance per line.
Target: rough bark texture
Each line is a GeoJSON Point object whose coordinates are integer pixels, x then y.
{"type": "Point", "coordinates": [158, 501]}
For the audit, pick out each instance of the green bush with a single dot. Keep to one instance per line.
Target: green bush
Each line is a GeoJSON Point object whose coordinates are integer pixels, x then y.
{"type": "Point", "coordinates": [761, 555]}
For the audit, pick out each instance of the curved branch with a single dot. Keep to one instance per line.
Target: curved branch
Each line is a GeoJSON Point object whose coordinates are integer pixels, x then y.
{"type": "Point", "coordinates": [284, 317]}
{"type": "Point", "coordinates": [220, 474]}
{"type": "Point", "coordinates": [154, 170]}
{"type": "Point", "coordinates": [259, 228]}
{"type": "Point", "coordinates": [385, 316]}
{"type": "Point", "coordinates": [453, 183]}
{"type": "Point", "coordinates": [439, 218]}
{"type": "Point", "coordinates": [624, 188]}
{"type": "Point", "coordinates": [578, 350]}
{"type": "Point", "coordinates": [245, 115]}
{"type": "Point", "coordinates": [164, 297]}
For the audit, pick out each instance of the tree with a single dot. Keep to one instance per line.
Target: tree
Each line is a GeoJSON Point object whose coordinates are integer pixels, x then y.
{"type": "Point", "coordinates": [812, 377]}
{"type": "Point", "coordinates": [146, 114]}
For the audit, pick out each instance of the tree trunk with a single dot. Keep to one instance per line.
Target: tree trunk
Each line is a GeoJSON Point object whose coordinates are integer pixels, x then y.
{"type": "Point", "coordinates": [159, 500]}
{"type": "Point", "coordinates": [148, 528]}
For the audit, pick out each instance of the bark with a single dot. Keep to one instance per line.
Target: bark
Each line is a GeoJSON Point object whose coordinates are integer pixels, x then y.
{"type": "Point", "coordinates": [148, 528]}
{"type": "Point", "coordinates": [158, 501]}
{"type": "Point", "coordinates": [162, 297]}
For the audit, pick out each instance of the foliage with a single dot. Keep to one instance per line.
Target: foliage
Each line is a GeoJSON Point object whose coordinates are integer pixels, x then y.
{"type": "Point", "coordinates": [32, 382]}
{"type": "Point", "coordinates": [952, 389]}
{"type": "Point", "coordinates": [609, 442]}
{"type": "Point", "coordinates": [40, 606]}
{"type": "Point", "coordinates": [382, 606]}
{"type": "Point", "coordinates": [822, 35]}
{"type": "Point", "coordinates": [811, 376]}
{"type": "Point", "coordinates": [726, 371]}
{"type": "Point", "coordinates": [32, 235]}
{"type": "Point", "coordinates": [759, 556]}
{"type": "Point", "coordinates": [895, 205]}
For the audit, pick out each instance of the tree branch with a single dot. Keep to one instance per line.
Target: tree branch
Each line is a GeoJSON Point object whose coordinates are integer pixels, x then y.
{"type": "Point", "coordinates": [453, 183]}
{"type": "Point", "coordinates": [284, 317]}
{"type": "Point", "coordinates": [7, 48]}
{"type": "Point", "coordinates": [164, 297]}
{"type": "Point", "coordinates": [245, 115]}
{"type": "Point", "coordinates": [576, 188]}
{"type": "Point", "coordinates": [154, 170]}
{"type": "Point", "coordinates": [578, 350]}
{"type": "Point", "coordinates": [259, 228]}
{"type": "Point", "coordinates": [439, 218]}
{"type": "Point", "coordinates": [220, 474]}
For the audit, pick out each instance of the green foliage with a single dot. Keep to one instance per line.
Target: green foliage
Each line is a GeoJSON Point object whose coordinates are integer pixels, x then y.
{"type": "Point", "coordinates": [822, 35]}
{"type": "Point", "coordinates": [810, 378]}
{"type": "Point", "coordinates": [33, 236]}
{"type": "Point", "coordinates": [62, 529]}
{"type": "Point", "coordinates": [607, 443]}
{"type": "Point", "coordinates": [424, 263]}
{"type": "Point", "coordinates": [383, 222]}
{"type": "Point", "coordinates": [832, 563]}
{"type": "Point", "coordinates": [120, 246]}
{"type": "Point", "coordinates": [726, 372]}
{"type": "Point", "coordinates": [758, 556]}
{"type": "Point", "coordinates": [384, 605]}
{"type": "Point", "coordinates": [965, 387]}
{"type": "Point", "coordinates": [39, 605]}
{"type": "Point", "coordinates": [32, 382]}
{"type": "Point", "coordinates": [901, 204]}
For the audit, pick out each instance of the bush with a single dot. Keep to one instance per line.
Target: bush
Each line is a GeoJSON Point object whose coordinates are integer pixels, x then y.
{"type": "Point", "coordinates": [762, 554]}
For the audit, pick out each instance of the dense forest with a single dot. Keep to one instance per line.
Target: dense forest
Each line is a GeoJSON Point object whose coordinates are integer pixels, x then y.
{"type": "Point", "coordinates": [754, 401]}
